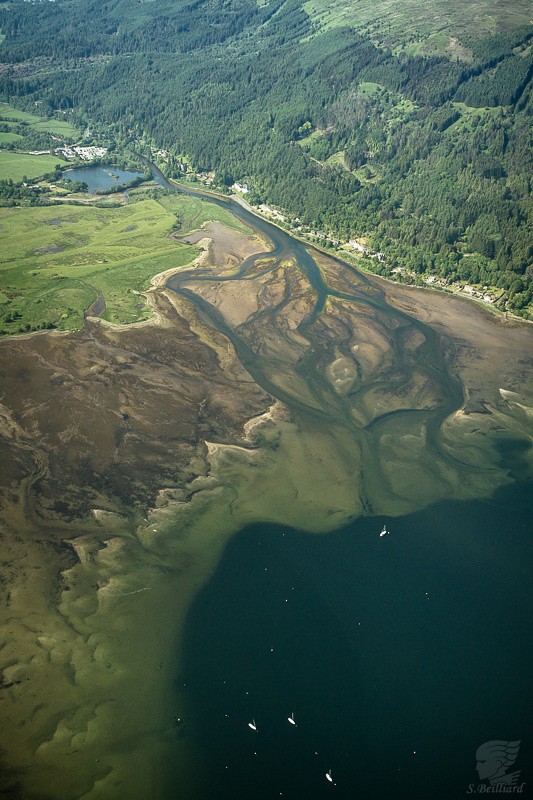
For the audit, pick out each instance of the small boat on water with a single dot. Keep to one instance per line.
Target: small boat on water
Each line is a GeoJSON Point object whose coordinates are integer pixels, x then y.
{"type": "Point", "coordinates": [252, 725]}
{"type": "Point", "coordinates": [291, 719]}
{"type": "Point", "coordinates": [384, 531]}
{"type": "Point", "coordinates": [328, 776]}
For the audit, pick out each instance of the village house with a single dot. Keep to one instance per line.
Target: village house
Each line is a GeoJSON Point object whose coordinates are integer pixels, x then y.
{"type": "Point", "coordinates": [355, 245]}
{"type": "Point", "coordinates": [272, 212]}
{"type": "Point", "coordinates": [66, 152]}
{"type": "Point", "coordinates": [88, 153]}
{"type": "Point", "coordinates": [85, 153]}
{"type": "Point", "coordinates": [206, 177]}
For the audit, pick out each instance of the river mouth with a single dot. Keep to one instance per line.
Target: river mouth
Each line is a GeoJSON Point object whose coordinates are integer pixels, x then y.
{"type": "Point", "coordinates": [273, 386]}
{"type": "Point", "coordinates": [415, 391]}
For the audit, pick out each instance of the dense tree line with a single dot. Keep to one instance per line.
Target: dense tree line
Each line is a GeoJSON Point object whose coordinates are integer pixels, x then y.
{"type": "Point", "coordinates": [427, 157]}
{"type": "Point", "coordinates": [30, 139]}
{"type": "Point", "coordinates": [16, 194]}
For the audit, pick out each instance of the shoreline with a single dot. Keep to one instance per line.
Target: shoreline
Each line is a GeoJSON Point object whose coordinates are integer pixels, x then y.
{"type": "Point", "coordinates": [166, 415]}
{"type": "Point", "coordinates": [157, 280]}
{"type": "Point", "coordinates": [338, 255]}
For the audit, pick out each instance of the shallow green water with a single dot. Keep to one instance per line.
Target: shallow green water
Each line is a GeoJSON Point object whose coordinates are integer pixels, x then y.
{"type": "Point", "coordinates": [399, 656]}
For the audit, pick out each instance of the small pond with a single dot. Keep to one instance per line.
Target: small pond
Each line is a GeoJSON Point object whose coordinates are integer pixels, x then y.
{"type": "Point", "coordinates": [101, 179]}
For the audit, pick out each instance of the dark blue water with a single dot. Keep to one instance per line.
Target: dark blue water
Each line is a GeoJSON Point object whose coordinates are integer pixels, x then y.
{"type": "Point", "coordinates": [399, 655]}
{"type": "Point", "coordinates": [101, 179]}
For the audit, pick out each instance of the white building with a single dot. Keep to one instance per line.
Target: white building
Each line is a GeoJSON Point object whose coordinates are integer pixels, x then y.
{"type": "Point", "coordinates": [89, 153]}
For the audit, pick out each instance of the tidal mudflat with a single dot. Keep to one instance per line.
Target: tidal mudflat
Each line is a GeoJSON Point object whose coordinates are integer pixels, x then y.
{"type": "Point", "coordinates": [272, 385]}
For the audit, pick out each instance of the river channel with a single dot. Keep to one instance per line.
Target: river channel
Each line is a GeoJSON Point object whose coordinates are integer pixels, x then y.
{"type": "Point", "coordinates": [400, 655]}
{"type": "Point", "coordinates": [398, 351]}
{"type": "Point", "coordinates": [198, 602]}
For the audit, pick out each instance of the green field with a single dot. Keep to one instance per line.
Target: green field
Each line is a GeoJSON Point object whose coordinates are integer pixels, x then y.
{"type": "Point", "coordinates": [17, 165]}
{"type": "Point", "coordinates": [54, 259]}
{"type": "Point", "coordinates": [7, 138]}
{"type": "Point", "coordinates": [337, 159]}
{"type": "Point", "coordinates": [8, 112]}
{"type": "Point", "coordinates": [57, 127]}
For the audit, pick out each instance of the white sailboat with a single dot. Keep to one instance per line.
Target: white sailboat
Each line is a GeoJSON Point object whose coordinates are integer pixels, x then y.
{"type": "Point", "coordinates": [384, 531]}
{"type": "Point", "coordinates": [328, 776]}
{"type": "Point", "coordinates": [291, 719]}
{"type": "Point", "coordinates": [252, 725]}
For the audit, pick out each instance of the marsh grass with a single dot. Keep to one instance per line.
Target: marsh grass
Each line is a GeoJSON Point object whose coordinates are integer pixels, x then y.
{"type": "Point", "coordinates": [55, 259]}
{"type": "Point", "coordinates": [191, 213]}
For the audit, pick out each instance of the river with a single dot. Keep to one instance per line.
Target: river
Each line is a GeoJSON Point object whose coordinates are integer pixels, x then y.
{"type": "Point", "coordinates": [194, 539]}
{"type": "Point", "coordinates": [399, 655]}
{"type": "Point", "coordinates": [284, 247]}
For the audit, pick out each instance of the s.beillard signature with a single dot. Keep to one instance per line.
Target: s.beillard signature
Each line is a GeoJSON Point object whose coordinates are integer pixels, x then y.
{"type": "Point", "coordinates": [493, 760]}
{"type": "Point", "coordinates": [496, 788]}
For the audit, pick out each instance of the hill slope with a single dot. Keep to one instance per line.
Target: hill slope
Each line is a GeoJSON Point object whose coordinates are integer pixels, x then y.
{"type": "Point", "coordinates": [337, 118]}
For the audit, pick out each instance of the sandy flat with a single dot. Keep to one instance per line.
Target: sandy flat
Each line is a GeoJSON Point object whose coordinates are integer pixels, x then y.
{"type": "Point", "coordinates": [130, 455]}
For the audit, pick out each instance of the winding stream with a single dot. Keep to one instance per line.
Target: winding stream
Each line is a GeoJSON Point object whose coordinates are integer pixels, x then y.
{"type": "Point", "coordinates": [362, 298]}
{"type": "Point", "coordinates": [356, 633]}
{"type": "Point", "coordinates": [162, 584]}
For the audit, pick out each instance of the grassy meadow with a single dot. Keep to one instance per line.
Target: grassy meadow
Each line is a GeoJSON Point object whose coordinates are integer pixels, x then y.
{"type": "Point", "coordinates": [57, 127]}
{"type": "Point", "coordinates": [17, 165]}
{"type": "Point", "coordinates": [6, 137]}
{"type": "Point", "coordinates": [55, 259]}
{"type": "Point", "coordinates": [8, 112]}
{"type": "Point", "coordinates": [421, 27]}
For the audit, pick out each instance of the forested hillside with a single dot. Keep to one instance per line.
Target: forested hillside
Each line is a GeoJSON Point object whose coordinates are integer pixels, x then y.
{"type": "Point", "coordinates": [363, 126]}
